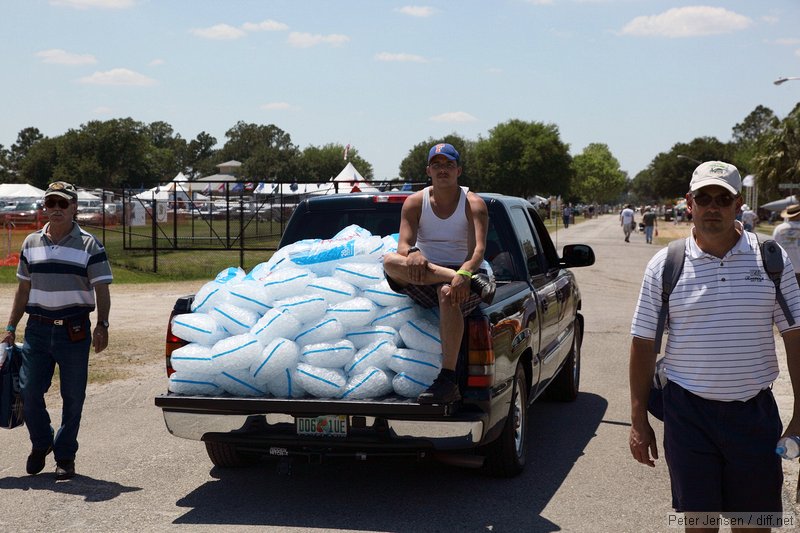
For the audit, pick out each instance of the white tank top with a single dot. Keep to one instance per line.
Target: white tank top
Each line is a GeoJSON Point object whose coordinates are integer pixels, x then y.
{"type": "Point", "coordinates": [443, 241]}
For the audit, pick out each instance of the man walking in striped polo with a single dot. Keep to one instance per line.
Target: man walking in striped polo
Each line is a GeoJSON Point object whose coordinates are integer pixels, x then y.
{"type": "Point", "coordinates": [63, 273]}
{"type": "Point", "coordinates": [721, 422]}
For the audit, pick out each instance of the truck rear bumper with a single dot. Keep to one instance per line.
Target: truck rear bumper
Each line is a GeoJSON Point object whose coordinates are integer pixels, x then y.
{"type": "Point", "coordinates": [443, 432]}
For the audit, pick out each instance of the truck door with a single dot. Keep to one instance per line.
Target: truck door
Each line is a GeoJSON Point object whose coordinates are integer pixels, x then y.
{"type": "Point", "coordinates": [544, 285]}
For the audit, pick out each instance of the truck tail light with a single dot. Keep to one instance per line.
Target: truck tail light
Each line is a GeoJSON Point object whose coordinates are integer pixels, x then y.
{"type": "Point", "coordinates": [172, 344]}
{"type": "Point", "coordinates": [390, 199]}
{"type": "Point", "coordinates": [480, 372]}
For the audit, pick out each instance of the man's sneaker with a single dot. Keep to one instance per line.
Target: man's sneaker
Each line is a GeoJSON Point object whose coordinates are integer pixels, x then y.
{"type": "Point", "coordinates": [484, 286]}
{"type": "Point", "coordinates": [65, 469]}
{"type": "Point", "coordinates": [441, 391]}
{"type": "Point", "coordinates": [36, 459]}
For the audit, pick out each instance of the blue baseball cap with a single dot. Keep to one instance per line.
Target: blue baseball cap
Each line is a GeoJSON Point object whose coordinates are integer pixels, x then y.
{"type": "Point", "coordinates": [444, 149]}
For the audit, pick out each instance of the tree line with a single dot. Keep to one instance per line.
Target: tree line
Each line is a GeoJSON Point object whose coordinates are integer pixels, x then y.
{"type": "Point", "coordinates": [516, 157]}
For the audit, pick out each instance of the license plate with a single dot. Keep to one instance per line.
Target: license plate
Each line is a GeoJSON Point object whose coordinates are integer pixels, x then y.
{"type": "Point", "coordinates": [322, 426]}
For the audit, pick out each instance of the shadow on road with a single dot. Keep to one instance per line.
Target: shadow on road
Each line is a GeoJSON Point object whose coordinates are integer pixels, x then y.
{"type": "Point", "coordinates": [403, 496]}
{"type": "Point", "coordinates": [92, 490]}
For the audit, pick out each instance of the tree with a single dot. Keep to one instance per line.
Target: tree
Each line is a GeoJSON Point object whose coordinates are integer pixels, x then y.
{"type": "Point", "coordinates": [266, 152]}
{"type": "Point", "coordinates": [199, 155]}
{"type": "Point", "coordinates": [323, 163]}
{"type": "Point", "coordinates": [750, 134]}
{"type": "Point", "coordinates": [523, 158]}
{"type": "Point", "coordinates": [598, 178]}
{"type": "Point", "coordinates": [412, 167]}
{"type": "Point", "coordinates": [667, 177]}
{"type": "Point", "coordinates": [6, 171]}
{"type": "Point", "coordinates": [26, 138]}
{"type": "Point", "coordinates": [39, 163]}
{"type": "Point", "coordinates": [778, 158]}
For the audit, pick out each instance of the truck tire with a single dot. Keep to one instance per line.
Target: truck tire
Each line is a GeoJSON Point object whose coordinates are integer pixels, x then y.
{"type": "Point", "coordinates": [505, 457]}
{"type": "Point", "coordinates": [565, 385]}
{"type": "Point", "coordinates": [225, 455]}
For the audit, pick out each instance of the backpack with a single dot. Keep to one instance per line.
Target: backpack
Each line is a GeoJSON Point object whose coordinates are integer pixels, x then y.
{"type": "Point", "coordinates": [673, 267]}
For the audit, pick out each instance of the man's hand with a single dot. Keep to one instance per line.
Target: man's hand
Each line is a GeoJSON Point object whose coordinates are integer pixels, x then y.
{"type": "Point", "coordinates": [459, 290]}
{"type": "Point", "coordinates": [99, 339]}
{"type": "Point", "coordinates": [8, 338]}
{"type": "Point", "coordinates": [643, 443]}
{"type": "Point", "coordinates": [417, 267]}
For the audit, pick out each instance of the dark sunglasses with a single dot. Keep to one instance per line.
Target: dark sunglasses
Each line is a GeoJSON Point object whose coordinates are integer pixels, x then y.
{"type": "Point", "coordinates": [721, 200]}
{"type": "Point", "coordinates": [50, 203]}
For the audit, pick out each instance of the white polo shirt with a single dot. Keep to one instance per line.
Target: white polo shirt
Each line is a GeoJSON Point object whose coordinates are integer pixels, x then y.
{"type": "Point", "coordinates": [721, 313]}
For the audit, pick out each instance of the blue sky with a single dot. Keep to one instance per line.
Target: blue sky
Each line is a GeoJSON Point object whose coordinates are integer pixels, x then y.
{"type": "Point", "coordinates": [637, 75]}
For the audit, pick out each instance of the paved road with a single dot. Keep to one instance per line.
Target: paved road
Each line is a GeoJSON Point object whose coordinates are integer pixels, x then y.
{"type": "Point", "coordinates": [134, 476]}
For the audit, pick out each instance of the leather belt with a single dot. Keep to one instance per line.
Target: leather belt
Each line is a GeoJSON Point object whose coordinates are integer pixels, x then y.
{"type": "Point", "coordinates": [56, 321]}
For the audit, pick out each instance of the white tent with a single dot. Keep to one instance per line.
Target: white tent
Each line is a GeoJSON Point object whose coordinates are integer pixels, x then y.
{"type": "Point", "coordinates": [20, 190]}
{"type": "Point", "coordinates": [349, 173]}
{"type": "Point", "coordinates": [86, 195]}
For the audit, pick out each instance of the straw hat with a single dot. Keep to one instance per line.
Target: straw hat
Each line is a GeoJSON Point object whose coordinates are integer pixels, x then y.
{"type": "Point", "coordinates": [791, 212]}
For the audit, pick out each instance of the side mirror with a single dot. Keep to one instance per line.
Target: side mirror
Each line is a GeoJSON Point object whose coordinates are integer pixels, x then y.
{"type": "Point", "coordinates": [577, 255]}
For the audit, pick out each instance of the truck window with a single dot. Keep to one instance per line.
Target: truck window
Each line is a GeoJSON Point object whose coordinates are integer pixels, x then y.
{"type": "Point", "coordinates": [526, 240]}
{"type": "Point", "coordinates": [550, 254]}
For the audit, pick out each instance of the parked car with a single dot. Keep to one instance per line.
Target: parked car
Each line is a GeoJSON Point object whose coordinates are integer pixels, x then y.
{"type": "Point", "coordinates": [24, 214]}
{"type": "Point", "coordinates": [93, 216]}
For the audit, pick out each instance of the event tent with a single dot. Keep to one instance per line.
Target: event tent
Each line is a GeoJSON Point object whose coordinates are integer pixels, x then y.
{"type": "Point", "coordinates": [349, 173]}
{"type": "Point", "coordinates": [20, 190]}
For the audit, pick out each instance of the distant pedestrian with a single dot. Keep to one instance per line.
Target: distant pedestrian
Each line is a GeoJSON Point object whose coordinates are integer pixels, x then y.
{"type": "Point", "coordinates": [566, 214]}
{"type": "Point", "coordinates": [649, 219]}
{"type": "Point", "coordinates": [627, 220]}
{"type": "Point", "coordinates": [749, 218]}
{"type": "Point", "coordinates": [788, 235]}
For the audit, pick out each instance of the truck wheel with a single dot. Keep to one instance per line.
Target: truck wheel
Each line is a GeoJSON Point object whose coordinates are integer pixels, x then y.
{"type": "Point", "coordinates": [225, 455]}
{"type": "Point", "coordinates": [565, 385]}
{"type": "Point", "coordinates": [505, 457]}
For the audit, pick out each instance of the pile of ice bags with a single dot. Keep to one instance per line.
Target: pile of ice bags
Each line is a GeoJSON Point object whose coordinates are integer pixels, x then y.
{"type": "Point", "coordinates": [317, 320]}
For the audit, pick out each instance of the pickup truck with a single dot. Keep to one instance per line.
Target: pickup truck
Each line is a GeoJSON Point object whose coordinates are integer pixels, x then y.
{"type": "Point", "coordinates": [524, 344]}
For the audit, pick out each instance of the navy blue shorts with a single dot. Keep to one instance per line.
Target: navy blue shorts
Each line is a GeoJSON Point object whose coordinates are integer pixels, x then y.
{"type": "Point", "coordinates": [721, 455]}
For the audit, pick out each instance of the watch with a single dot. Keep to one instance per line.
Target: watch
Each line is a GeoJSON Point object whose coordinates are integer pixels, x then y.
{"type": "Point", "coordinates": [103, 323]}
{"type": "Point", "coordinates": [412, 250]}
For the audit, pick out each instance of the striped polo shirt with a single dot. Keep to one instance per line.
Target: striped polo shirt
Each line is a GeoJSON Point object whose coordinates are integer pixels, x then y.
{"type": "Point", "coordinates": [721, 314]}
{"type": "Point", "coordinates": [62, 275]}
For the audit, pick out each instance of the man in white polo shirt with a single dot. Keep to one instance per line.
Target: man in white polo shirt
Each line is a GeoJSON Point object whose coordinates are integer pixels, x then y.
{"type": "Point", "coordinates": [721, 422]}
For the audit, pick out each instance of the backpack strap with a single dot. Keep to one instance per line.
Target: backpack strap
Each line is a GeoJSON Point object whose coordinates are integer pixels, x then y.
{"type": "Point", "coordinates": [673, 266]}
{"type": "Point", "coordinates": [773, 264]}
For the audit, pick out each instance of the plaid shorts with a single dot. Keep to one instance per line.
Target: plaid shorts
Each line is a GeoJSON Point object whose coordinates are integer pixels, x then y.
{"type": "Point", "coordinates": [427, 297]}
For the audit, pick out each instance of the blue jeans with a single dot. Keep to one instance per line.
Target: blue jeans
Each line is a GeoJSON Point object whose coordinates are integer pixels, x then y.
{"type": "Point", "coordinates": [45, 346]}
{"type": "Point", "coordinates": [648, 233]}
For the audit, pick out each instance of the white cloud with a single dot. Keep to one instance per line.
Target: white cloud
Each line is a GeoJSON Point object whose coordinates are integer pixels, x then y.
{"type": "Point", "coordinates": [87, 4]}
{"type": "Point", "coordinates": [118, 76]}
{"type": "Point", "coordinates": [770, 19]}
{"type": "Point", "coordinates": [102, 110]}
{"type": "Point", "coordinates": [689, 21]}
{"type": "Point", "coordinates": [276, 106]}
{"type": "Point", "coordinates": [494, 70]}
{"type": "Point", "coordinates": [400, 58]}
{"type": "Point", "coordinates": [157, 62]}
{"type": "Point", "coordinates": [219, 32]}
{"type": "Point", "coordinates": [456, 116]}
{"type": "Point", "coordinates": [62, 57]}
{"type": "Point", "coordinates": [265, 25]}
{"type": "Point", "coordinates": [416, 11]}
{"type": "Point", "coordinates": [540, 2]}
{"type": "Point", "coordinates": [797, 52]}
{"type": "Point", "coordinates": [307, 40]}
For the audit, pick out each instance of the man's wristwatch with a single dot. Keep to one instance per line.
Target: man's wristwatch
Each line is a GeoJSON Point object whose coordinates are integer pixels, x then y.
{"type": "Point", "coordinates": [412, 250]}
{"type": "Point", "coordinates": [103, 323]}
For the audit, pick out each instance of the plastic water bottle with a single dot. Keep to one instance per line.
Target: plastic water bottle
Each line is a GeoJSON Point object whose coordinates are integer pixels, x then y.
{"type": "Point", "coordinates": [4, 349]}
{"type": "Point", "coordinates": [789, 447]}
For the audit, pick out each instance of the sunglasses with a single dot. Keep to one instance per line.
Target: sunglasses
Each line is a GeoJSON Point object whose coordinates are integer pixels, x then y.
{"type": "Point", "coordinates": [450, 165]}
{"type": "Point", "coordinates": [721, 200]}
{"type": "Point", "coordinates": [50, 203]}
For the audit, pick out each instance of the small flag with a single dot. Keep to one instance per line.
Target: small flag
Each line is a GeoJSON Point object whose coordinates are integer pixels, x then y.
{"type": "Point", "coordinates": [207, 189]}
{"type": "Point", "coordinates": [249, 186]}
{"type": "Point", "coordinates": [346, 149]}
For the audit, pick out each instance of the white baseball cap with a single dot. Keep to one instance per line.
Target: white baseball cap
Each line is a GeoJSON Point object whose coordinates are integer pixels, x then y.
{"type": "Point", "coordinates": [716, 173]}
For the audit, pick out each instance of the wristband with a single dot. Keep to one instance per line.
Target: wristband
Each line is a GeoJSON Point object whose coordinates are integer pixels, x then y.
{"type": "Point", "coordinates": [11, 329]}
{"type": "Point", "coordinates": [466, 273]}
